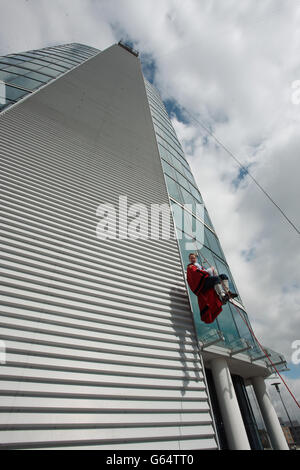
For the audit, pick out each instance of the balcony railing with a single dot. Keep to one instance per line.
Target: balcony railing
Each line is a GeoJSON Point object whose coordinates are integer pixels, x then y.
{"type": "Point", "coordinates": [242, 345]}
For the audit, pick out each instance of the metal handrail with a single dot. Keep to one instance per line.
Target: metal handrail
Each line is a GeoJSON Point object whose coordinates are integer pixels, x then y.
{"type": "Point", "coordinates": [128, 48]}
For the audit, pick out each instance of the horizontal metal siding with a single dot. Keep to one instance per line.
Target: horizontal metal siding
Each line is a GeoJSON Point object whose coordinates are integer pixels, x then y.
{"type": "Point", "coordinates": [101, 349]}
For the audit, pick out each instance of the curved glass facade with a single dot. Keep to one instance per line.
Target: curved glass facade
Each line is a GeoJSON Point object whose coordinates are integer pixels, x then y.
{"type": "Point", "coordinates": [195, 230]}
{"type": "Point", "coordinates": [23, 73]}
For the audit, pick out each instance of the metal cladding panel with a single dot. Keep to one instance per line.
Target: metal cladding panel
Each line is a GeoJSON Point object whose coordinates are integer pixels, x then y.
{"type": "Point", "coordinates": [100, 343]}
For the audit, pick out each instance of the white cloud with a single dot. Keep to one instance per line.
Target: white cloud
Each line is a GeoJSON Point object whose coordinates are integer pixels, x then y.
{"type": "Point", "coordinates": [232, 64]}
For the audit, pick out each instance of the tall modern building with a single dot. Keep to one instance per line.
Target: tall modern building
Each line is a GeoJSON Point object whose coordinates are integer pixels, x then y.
{"type": "Point", "coordinates": [102, 343]}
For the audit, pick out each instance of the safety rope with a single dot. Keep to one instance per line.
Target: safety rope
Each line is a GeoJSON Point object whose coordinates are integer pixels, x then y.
{"type": "Point", "coordinates": [202, 257]}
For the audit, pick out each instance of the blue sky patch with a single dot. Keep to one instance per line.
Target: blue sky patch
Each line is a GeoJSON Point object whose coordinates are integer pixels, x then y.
{"type": "Point", "coordinates": [148, 67]}
{"type": "Point", "coordinates": [294, 372]}
{"type": "Point", "coordinates": [243, 172]}
{"type": "Point", "coordinates": [248, 255]}
{"type": "Point", "coordinates": [174, 109]}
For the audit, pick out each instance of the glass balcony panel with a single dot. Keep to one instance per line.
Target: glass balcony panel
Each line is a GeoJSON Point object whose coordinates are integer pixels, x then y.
{"type": "Point", "coordinates": [211, 337]}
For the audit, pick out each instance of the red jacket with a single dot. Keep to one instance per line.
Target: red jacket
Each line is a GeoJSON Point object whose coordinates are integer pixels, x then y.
{"type": "Point", "coordinates": [209, 303]}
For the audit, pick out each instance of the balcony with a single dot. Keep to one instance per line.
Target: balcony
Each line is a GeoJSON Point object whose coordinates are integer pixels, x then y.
{"type": "Point", "coordinates": [245, 358]}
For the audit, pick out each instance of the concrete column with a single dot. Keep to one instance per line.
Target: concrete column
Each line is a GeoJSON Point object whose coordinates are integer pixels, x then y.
{"type": "Point", "coordinates": [234, 426]}
{"type": "Point", "coordinates": [269, 415]}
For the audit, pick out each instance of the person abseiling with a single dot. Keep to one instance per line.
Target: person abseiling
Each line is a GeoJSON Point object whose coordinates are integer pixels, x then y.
{"type": "Point", "coordinates": [211, 288]}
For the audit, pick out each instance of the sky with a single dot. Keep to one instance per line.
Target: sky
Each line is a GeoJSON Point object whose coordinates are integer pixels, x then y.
{"type": "Point", "coordinates": [231, 65]}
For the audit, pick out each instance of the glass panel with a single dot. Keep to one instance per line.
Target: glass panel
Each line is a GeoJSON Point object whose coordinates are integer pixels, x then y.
{"type": "Point", "coordinates": [46, 58]}
{"type": "Point", "coordinates": [38, 76]}
{"type": "Point", "coordinates": [31, 65]}
{"type": "Point", "coordinates": [164, 127]}
{"type": "Point", "coordinates": [60, 66]}
{"type": "Point", "coordinates": [227, 325]}
{"type": "Point", "coordinates": [32, 55]}
{"type": "Point", "coordinates": [10, 60]}
{"type": "Point", "coordinates": [177, 212]}
{"type": "Point", "coordinates": [206, 258]}
{"type": "Point", "coordinates": [26, 83]}
{"type": "Point", "coordinates": [223, 269]}
{"type": "Point", "coordinates": [188, 175]}
{"type": "Point", "coordinates": [207, 219]}
{"type": "Point", "coordinates": [214, 243]}
{"type": "Point", "coordinates": [54, 56]}
{"type": "Point", "coordinates": [173, 189]}
{"type": "Point", "coordinates": [14, 93]}
{"type": "Point", "coordinates": [18, 56]}
{"type": "Point", "coordinates": [195, 192]}
{"type": "Point", "coordinates": [182, 181]}
{"type": "Point", "coordinates": [34, 60]}
{"type": "Point", "coordinates": [4, 66]}
{"type": "Point", "coordinates": [200, 234]}
{"type": "Point", "coordinates": [62, 63]}
{"type": "Point", "coordinates": [188, 199]}
{"type": "Point", "coordinates": [189, 226]}
{"type": "Point", "coordinates": [200, 210]}
{"type": "Point", "coordinates": [7, 77]}
{"type": "Point", "coordinates": [168, 169]}
{"type": "Point", "coordinates": [163, 153]}
{"type": "Point", "coordinates": [175, 163]}
{"type": "Point", "coordinates": [193, 228]}
{"type": "Point", "coordinates": [44, 63]}
{"type": "Point", "coordinates": [49, 71]}
{"type": "Point", "coordinates": [241, 325]}
{"type": "Point", "coordinates": [18, 70]}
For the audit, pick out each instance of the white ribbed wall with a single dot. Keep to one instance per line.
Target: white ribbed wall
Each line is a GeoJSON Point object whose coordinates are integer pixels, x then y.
{"type": "Point", "coordinates": [101, 351]}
